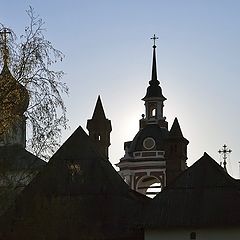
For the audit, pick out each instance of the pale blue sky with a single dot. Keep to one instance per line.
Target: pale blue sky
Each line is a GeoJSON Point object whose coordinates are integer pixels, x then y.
{"type": "Point", "coordinates": [108, 52]}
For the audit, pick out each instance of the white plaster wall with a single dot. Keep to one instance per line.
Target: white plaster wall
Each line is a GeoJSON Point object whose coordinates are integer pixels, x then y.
{"type": "Point", "coordinates": [201, 234]}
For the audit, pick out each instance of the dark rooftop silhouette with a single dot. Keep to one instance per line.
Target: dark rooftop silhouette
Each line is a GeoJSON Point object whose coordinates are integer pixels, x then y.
{"type": "Point", "coordinates": [202, 196]}
{"type": "Point", "coordinates": [80, 190]}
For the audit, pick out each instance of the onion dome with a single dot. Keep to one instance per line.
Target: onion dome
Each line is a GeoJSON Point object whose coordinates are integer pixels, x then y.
{"type": "Point", "coordinates": [14, 96]}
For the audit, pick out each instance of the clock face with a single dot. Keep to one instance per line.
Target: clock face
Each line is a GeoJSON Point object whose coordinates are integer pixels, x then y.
{"type": "Point", "coordinates": [149, 143]}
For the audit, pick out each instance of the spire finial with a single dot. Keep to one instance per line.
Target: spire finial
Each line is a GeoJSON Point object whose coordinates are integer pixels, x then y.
{"type": "Point", "coordinates": [5, 51]}
{"type": "Point", "coordinates": [154, 90]}
{"type": "Point", "coordinates": [154, 65]}
{"type": "Point", "coordinates": [224, 151]}
{"type": "Point", "coordinates": [154, 38]}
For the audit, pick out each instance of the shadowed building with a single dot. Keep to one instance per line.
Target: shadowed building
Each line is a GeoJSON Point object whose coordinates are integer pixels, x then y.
{"type": "Point", "coordinates": [78, 195]}
{"type": "Point", "coordinates": [156, 155]}
{"type": "Point", "coordinates": [17, 165]}
{"type": "Point", "coordinates": [202, 203]}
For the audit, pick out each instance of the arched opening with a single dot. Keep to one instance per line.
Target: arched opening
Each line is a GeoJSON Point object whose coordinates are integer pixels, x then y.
{"type": "Point", "coordinates": [153, 190]}
{"type": "Point", "coordinates": [149, 186]}
{"type": "Point", "coordinates": [153, 112]}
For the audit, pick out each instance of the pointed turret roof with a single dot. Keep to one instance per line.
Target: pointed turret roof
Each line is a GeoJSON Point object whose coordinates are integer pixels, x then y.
{"type": "Point", "coordinates": [154, 90]}
{"type": "Point", "coordinates": [99, 120]}
{"type": "Point", "coordinates": [99, 111]}
{"type": "Point", "coordinates": [175, 131]}
{"type": "Point", "coordinates": [202, 196]}
{"type": "Point", "coordinates": [77, 191]}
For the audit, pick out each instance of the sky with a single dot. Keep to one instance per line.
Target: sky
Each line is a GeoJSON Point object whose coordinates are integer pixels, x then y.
{"type": "Point", "coordinates": [108, 52]}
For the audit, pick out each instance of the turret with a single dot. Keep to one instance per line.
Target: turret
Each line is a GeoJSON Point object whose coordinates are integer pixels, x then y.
{"type": "Point", "coordinates": [176, 152]}
{"type": "Point", "coordinates": [99, 128]}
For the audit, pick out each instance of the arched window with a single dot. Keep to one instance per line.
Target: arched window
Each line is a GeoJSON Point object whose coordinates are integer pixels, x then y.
{"type": "Point", "coordinates": [154, 189]}
{"type": "Point", "coordinates": [149, 186]}
{"type": "Point", "coordinates": [153, 112]}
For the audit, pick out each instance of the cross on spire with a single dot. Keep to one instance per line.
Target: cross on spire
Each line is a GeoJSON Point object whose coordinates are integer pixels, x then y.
{"type": "Point", "coordinates": [224, 151]}
{"type": "Point", "coordinates": [4, 33]}
{"type": "Point", "coordinates": [154, 38]}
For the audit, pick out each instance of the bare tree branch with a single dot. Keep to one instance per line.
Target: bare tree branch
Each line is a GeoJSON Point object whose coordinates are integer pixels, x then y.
{"type": "Point", "coordinates": [31, 59]}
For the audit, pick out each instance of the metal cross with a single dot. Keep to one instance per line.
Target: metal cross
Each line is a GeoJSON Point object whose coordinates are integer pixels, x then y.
{"type": "Point", "coordinates": [154, 38]}
{"type": "Point", "coordinates": [4, 33]}
{"type": "Point", "coordinates": [224, 151]}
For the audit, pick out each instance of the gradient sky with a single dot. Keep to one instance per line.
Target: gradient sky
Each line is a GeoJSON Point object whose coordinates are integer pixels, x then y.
{"type": "Point", "coordinates": [108, 52]}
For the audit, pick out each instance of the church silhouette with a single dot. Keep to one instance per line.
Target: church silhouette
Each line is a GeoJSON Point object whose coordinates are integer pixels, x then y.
{"type": "Point", "coordinates": [79, 195]}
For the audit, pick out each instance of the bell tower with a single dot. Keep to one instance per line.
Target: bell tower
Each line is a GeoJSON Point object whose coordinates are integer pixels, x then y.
{"type": "Point", "coordinates": [154, 99]}
{"type": "Point", "coordinates": [155, 156]}
{"type": "Point", "coordinates": [99, 128]}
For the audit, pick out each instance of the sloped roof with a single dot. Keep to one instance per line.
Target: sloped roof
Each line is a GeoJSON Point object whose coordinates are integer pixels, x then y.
{"type": "Point", "coordinates": [202, 196]}
{"type": "Point", "coordinates": [16, 158]}
{"type": "Point", "coordinates": [78, 195]}
{"type": "Point", "coordinates": [99, 120]}
{"type": "Point", "coordinates": [99, 111]}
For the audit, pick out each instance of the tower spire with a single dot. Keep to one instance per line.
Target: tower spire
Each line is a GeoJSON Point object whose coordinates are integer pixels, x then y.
{"type": "Point", "coordinates": [154, 90]}
{"type": "Point", "coordinates": [154, 99]}
{"type": "Point", "coordinates": [154, 64]}
{"type": "Point", "coordinates": [99, 111]}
